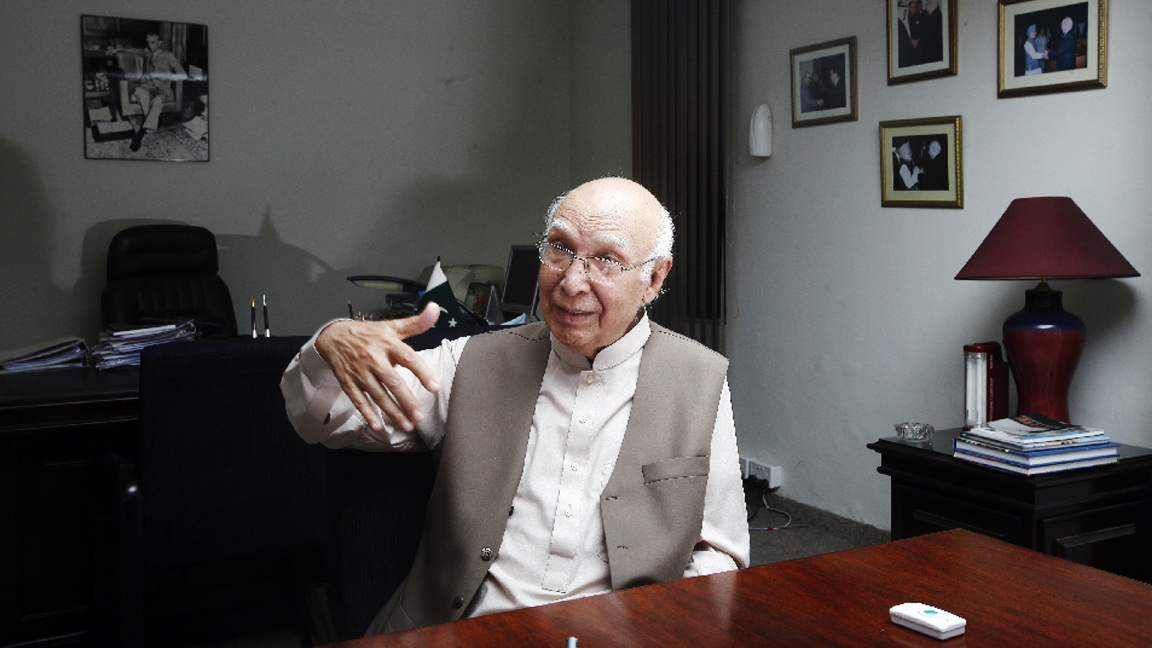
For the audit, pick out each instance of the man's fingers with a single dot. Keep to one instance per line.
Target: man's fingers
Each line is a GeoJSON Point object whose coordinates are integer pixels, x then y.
{"type": "Point", "coordinates": [407, 357]}
{"type": "Point", "coordinates": [364, 390]}
{"type": "Point", "coordinates": [399, 402]}
{"type": "Point", "coordinates": [385, 398]}
{"type": "Point", "coordinates": [363, 405]}
{"type": "Point", "coordinates": [364, 357]}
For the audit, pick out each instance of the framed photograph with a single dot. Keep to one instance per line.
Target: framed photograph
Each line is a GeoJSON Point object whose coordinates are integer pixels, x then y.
{"type": "Point", "coordinates": [145, 94]}
{"type": "Point", "coordinates": [921, 39]}
{"type": "Point", "coordinates": [1052, 46]}
{"type": "Point", "coordinates": [921, 163]}
{"type": "Point", "coordinates": [824, 83]}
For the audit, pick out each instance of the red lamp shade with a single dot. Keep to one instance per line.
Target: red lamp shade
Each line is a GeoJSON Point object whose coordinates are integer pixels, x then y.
{"type": "Point", "coordinates": [1045, 237]}
{"type": "Point", "coordinates": [1042, 238]}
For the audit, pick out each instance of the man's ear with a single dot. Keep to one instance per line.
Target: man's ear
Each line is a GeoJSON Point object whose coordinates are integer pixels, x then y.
{"type": "Point", "coordinates": [660, 270]}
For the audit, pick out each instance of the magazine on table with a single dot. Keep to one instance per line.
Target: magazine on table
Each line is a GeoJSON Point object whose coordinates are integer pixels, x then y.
{"type": "Point", "coordinates": [1036, 457]}
{"type": "Point", "coordinates": [1035, 431]}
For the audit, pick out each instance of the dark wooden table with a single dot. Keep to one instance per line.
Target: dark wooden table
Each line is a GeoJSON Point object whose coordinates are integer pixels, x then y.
{"type": "Point", "coordinates": [56, 426]}
{"type": "Point", "coordinates": [1010, 596]}
{"type": "Point", "coordinates": [1099, 516]}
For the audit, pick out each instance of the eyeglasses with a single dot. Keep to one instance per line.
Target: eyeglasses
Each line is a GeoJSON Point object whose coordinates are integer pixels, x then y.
{"type": "Point", "coordinates": [598, 269]}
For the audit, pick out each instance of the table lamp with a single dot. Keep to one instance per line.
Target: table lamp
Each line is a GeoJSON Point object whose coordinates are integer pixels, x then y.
{"type": "Point", "coordinates": [1044, 238]}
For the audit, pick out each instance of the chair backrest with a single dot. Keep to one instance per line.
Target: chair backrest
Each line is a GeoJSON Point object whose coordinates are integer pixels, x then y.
{"type": "Point", "coordinates": [131, 64]}
{"type": "Point", "coordinates": [165, 273]}
{"type": "Point", "coordinates": [222, 472]}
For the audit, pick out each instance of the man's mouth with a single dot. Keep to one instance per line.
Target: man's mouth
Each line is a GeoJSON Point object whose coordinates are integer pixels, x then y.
{"type": "Point", "coordinates": [573, 313]}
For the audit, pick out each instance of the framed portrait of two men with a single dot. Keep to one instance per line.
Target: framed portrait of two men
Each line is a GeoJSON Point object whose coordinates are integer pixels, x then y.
{"type": "Point", "coordinates": [1052, 46]}
{"type": "Point", "coordinates": [824, 83]}
{"type": "Point", "coordinates": [921, 163]}
{"type": "Point", "coordinates": [921, 40]}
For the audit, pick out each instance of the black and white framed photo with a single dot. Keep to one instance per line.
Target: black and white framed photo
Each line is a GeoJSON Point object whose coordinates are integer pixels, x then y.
{"type": "Point", "coordinates": [921, 163]}
{"type": "Point", "coordinates": [921, 40]}
{"type": "Point", "coordinates": [1052, 46]}
{"type": "Point", "coordinates": [145, 94]}
{"type": "Point", "coordinates": [824, 83]}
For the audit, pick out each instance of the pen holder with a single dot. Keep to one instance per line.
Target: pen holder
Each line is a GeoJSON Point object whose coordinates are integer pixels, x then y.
{"type": "Point", "coordinates": [914, 431]}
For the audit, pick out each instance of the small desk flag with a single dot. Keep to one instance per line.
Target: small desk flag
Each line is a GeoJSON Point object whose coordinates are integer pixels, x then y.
{"type": "Point", "coordinates": [440, 291]}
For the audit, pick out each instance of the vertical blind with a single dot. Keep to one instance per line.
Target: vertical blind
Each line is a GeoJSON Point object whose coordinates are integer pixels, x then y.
{"type": "Point", "coordinates": [680, 82]}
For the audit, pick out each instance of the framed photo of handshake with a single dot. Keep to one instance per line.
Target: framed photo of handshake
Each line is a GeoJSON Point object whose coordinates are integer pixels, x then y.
{"type": "Point", "coordinates": [1052, 46]}
{"type": "Point", "coordinates": [921, 163]}
{"type": "Point", "coordinates": [824, 83]}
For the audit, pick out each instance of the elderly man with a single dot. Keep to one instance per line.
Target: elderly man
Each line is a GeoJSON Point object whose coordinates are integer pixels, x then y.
{"type": "Point", "coordinates": [593, 451]}
{"type": "Point", "coordinates": [1065, 52]}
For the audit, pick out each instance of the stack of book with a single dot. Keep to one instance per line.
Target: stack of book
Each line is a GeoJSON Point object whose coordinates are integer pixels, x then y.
{"type": "Point", "coordinates": [1033, 445]}
{"type": "Point", "coordinates": [122, 348]}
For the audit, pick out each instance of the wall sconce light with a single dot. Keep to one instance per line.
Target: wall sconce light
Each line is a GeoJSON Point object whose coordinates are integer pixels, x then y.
{"type": "Point", "coordinates": [760, 135]}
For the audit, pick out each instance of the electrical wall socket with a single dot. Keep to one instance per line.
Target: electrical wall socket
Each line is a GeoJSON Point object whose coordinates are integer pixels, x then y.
{"type": "Point", "coordinates": [751, 468]}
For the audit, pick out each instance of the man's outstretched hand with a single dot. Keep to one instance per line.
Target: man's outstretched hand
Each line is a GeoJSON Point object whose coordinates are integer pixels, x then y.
{"type": "Point", "coordinates": [364, 357]}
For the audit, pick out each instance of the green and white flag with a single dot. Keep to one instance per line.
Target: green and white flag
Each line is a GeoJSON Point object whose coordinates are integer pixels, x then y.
{"type": "Point", "coordinates": [440, 291]}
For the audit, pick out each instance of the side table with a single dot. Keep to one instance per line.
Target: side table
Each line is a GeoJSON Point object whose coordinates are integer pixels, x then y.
{"type": "Point", "coordinates": [1099, 516]}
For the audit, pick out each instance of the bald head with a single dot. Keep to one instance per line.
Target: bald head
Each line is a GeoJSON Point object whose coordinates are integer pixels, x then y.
{"type": "Point", "coordinates": [614, 223]}
{"type": "Point", "coordinates": [615, 203]}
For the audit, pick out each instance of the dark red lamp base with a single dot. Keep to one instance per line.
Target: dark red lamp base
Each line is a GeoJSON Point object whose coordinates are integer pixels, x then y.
{"type": "Point", "coordinates": [1044, 343]}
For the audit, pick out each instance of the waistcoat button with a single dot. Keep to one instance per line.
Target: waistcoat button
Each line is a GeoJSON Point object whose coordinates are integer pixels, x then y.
{"type": "Point", "coordinates": [457, 602]}
{"type": "Point", "coordinates": [486, 554]}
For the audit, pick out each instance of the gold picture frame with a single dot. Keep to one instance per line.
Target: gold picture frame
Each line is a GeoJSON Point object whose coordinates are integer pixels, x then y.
{"type": "Point", "coordinates": [824, 83]}
{"type": "Point", "coordinates": [921, 162]}
{"type": "Point", "coordinates": [1052, 46]}
{"type": "Point", "coordinates": [922, 41]}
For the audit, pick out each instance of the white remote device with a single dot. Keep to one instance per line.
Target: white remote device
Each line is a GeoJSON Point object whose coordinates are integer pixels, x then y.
{"type": "Point", "coordinates": [931, 621]}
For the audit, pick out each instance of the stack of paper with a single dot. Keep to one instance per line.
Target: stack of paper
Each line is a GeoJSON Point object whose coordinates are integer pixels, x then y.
{"type": "Point", "coordinates": [122, 348]}
{"type": "Point", "coordinates": [62, 352]}
{"type": "Point", "coordinates": [1033, 444]}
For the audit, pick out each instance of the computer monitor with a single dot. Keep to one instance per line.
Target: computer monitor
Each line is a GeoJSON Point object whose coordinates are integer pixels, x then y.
{"type": "Point", "coordinates": [520, 292]}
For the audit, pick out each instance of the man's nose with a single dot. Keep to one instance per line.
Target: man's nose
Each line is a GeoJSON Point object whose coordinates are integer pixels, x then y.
{"type": "Point", "coordinates": [576, 276]}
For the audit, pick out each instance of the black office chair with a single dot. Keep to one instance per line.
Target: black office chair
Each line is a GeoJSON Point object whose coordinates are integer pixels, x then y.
{"type": "Point", "coordinates": [161, 274]}
{"type": "Point", "coordinates": [224, 510]}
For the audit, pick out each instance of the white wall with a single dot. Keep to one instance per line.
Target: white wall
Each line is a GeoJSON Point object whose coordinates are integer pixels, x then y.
{"type": "Point", "coordinates": [845, 317]}
{"type": "Point", "coordinates": [600, 55]}
{"type": "Point", "coordinates": [347, 137]}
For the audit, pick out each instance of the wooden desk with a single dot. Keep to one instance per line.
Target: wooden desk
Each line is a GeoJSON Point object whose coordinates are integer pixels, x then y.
{"type": "Point", "coordinates": [1099, 516]}
{"type": "Point", "coordinates": [1010, 596]}
{"type": "Point", "coordinates": [56, 426]}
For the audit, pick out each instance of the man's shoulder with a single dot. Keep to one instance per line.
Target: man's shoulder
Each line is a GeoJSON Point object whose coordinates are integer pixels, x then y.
{"type": "Point", "coordinates": [683, 344]}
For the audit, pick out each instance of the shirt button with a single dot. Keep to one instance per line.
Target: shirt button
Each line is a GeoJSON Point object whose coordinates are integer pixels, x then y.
{"type": "Point", "coordinates": [486, 554]}
{"type": "Point", "coordinates": [575, 466]}
{"type": "Point", "coordinates": [588, 379]}
{"type": "Point", "coordinates": [583, 420]}
{"type": "Point", "coordinates": [568, 512]}
{"type": "Point", "coordinates": [457, 602]}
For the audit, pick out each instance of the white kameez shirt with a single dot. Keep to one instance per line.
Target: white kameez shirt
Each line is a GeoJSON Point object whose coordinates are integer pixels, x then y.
{"type": "Point", "coordinates": [553, 546]}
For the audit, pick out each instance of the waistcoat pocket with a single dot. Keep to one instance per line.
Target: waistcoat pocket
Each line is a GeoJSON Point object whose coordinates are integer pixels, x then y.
{"type": "Point", "coordinates": [677, 468]}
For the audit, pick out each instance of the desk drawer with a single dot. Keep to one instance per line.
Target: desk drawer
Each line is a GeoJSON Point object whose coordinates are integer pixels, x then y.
{"type": "Point", "coordinates": [916, 511]}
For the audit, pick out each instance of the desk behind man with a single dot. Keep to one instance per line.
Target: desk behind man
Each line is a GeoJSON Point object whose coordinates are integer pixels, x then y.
{"type": "Point", "coordinates": [591, 452]}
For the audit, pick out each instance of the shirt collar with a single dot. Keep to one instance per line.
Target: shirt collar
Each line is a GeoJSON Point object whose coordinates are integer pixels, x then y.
{"type": "Point", "coordinates": [611, 355]}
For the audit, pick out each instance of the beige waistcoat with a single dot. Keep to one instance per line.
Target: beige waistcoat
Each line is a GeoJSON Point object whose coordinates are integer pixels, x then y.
{"type": "Point", "coordinates": [652, 506]}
